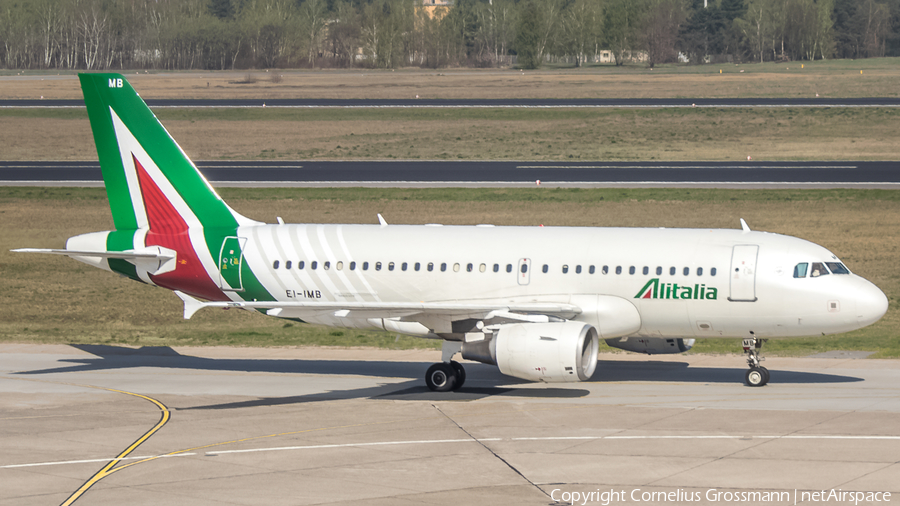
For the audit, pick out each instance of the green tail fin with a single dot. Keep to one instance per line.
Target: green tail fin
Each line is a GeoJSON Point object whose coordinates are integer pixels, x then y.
{"type": "Point", "coordinates": [144, 169]}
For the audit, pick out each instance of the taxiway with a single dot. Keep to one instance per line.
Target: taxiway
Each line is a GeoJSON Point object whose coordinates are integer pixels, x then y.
{"type": "Point", "coordinates": [337, 426]}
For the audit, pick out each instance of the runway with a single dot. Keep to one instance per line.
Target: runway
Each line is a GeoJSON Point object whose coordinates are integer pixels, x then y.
{"type": "Point", "coordinates": [436, 173]}
{"type": "Point", "coordinates": [648, 103]}
{"type": "Point", "coordinates": [336, 426]}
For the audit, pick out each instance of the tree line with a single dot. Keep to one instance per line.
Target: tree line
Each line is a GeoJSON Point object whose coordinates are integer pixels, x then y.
{"type": "Point", "coordinates": [240, 34]}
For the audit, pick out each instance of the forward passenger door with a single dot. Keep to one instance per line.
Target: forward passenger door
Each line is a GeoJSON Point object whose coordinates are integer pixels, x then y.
{"type": "Point", "coordinates": [743, 273]}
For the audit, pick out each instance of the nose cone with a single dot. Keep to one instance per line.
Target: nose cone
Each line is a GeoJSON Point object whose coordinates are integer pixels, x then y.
{"type": "Point", "coordinates": [871, 303]}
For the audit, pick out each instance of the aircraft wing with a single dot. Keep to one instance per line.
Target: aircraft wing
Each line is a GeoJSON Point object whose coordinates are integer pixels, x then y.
{"type": "Point", "coordinates": [530, 311]}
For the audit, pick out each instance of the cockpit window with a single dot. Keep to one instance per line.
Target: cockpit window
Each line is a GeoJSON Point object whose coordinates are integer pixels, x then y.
{"type": "Point", "coordinates": [837, 268]}
{"type": "Point", "coordinates": [800, 270]}
{"type": "Point", "coordinates": [818, 269]}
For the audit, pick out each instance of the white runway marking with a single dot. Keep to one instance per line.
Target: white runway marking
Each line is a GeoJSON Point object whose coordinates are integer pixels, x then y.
{"type": "Point", "coordinates": [485, 440]}
{"type": "Point", "coordinates": [90, 461]}
{"type": "Point", "coordinates": [355, 445]}
{"type": "Point", "coordinates": [754, 167]}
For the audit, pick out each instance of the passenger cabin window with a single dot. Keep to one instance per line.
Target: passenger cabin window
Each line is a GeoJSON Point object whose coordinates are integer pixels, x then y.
{"type": "Point", "coordinates": [403, 266]}
{"type": "Point", "coordinates": [417, 266]}
{"type": "Point", "coordinates": [800, 270]}
{"type": "Point", "coordinates": [482, 268]}
{"type": "Point", "coordinates": [508, 267]}
{"type": "Point", "coordinates": [430, 266]}
{"type": "Point", "coordinates": [619, 269]}
{"type": "Point", "coordinates": [545, 268]}
{"type": "Point", "coordinates": [275, 264]}
{"type": "Point", "coordinates": [352, 266]}
{"type": "Point", "coordinates": [699, 271]}
{"type": "Point", "coordinates": [524, 268]}
{"type": "Point", "coordinates": [339, 266]}
{"type": "Point", "coordinates": [577, 269]}
{"type": "Point", "coordinates": [565, 269]}
{"type": "Point", "coordinates": [313, 265]}
{"type": "Point", "coordinates": [377, 266]}
{"type": "Point", "coordinates": [659, 271]}
{"type": "Point", "coordinates": [687, 271]}
{"type": "Point", "coordinates": [646, 270]}
{"type": "Point", "coordinates": [818, 269]}
{"type": "Point", "coordinates": [326, 265]}
{"type": "Point", "coordinates": [365, 266]}
{"type": "Point", "coordinates": [837, 268]}
{"type": "Point", "coordinates": [444, 267]}
{"type": "Point", "coordinates": [712, 272]}
{"type": "Point", "coordinates": [456, 267]}
{"type": "Point", "coordinates": [287, 264]}
{"type": "Point", "coordinates": [631, 270]}
{"type": "Point", "coordinates": [671, 271]}
{"type": "Point", "coordinates": [496, 267]}
{"type": "Point", "coordinates": [300, 265]}
{"type": "Point", "coordinates": [605, 269]}
{"type": "Point", "coordinates": [391, 266]}
{"type": "Point", "coordinates": [470, 267]}
{"type": "Point", "coordinates": [591, 269]}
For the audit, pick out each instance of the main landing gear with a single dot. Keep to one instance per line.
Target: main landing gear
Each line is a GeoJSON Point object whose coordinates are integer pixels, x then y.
{"type": "Point", "coordinates": [758, 375]}
{"type": "Point", "coordinates": [449, 374]}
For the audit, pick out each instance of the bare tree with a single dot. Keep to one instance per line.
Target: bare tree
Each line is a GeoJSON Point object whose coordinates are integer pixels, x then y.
{"type": "Point", "coordinates": [313, 20]}
{"type": "Point", "coordinates": [92, 25]}
{"type": "Point", "coordinates": [660, 30]}
{"type": "Point", "coordinates": [581, 22]}
{"type": "Point", "coordinates": [496, 27]}
{"type": "Point", "coordinates": [344, 33]}
{"type": "Point", "coordinates": [872, 23]}
{"type": "Point", "coordinates": [620, 26]}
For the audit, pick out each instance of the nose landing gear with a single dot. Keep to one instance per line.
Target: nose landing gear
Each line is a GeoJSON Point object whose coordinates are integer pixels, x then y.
{"type": "Point", "coordinates": [758, 375]}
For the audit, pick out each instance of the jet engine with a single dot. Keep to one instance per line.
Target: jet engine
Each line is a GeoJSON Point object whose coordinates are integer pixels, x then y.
{"type": "Point", "coordinates": [551, 352]}
{"type": "Point", "coordinates": [652, 345]}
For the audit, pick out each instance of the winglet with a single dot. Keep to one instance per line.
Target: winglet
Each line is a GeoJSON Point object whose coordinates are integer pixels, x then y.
{"type": "Point", "coordinates": [744, 226]}
{"type": "Point", "coordinates": [381, 220]}
{"type": "Point", "coordinates": [191, 305]}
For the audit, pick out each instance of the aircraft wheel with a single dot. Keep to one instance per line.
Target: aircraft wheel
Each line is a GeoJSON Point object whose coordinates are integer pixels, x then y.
{"type": "Point", "coordinates": [766, 374]}
{"type": "Point", "coordinates": [440, 377]}
{"type": "Point", "coordinates": [460, 374]}
{"type": "Point", "coordinates": [755, 377]}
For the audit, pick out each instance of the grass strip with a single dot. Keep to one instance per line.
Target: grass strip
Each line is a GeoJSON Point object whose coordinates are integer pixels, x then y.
{"type": "Point", "coordinates": [484, 134]}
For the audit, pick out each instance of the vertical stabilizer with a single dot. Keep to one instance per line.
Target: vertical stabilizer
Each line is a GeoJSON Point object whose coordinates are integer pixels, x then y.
{"type": "Point", "coordinates": [159, 200]}
{"type": "Point", "coordinates": [136, 152]}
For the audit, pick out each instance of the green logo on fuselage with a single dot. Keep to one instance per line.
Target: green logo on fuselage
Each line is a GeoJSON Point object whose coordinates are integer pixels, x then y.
{"type": "Point", "coordinates": [656, 290]}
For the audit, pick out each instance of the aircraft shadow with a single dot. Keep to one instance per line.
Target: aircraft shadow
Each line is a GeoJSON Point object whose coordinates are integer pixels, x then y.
{"type": "Point", "coordinates": [611, 370]}
{"type": "Point", "coordinates": [482, 380]}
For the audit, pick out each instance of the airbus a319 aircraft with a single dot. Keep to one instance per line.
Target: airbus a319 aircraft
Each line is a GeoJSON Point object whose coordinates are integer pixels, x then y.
{"type": "Point", "coordinates": [534, 301]}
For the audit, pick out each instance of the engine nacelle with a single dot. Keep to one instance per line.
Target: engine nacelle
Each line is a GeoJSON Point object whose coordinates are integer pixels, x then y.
{"type": "Point", "coordinates": [652, 345]}
{"type": "Point", "coordinates": [549, 352]}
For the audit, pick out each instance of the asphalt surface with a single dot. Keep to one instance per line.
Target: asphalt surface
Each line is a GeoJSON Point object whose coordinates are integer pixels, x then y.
{"type": "Point", "coordinates": [512, 102]}
{"type": "Point", "coordinates": [489, 173]}
{"type": "Point", "coordinates": [110, 425]}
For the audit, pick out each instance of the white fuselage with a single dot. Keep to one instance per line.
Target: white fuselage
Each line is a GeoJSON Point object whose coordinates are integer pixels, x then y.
{"type": "Point", "coordinates": [708, 283]}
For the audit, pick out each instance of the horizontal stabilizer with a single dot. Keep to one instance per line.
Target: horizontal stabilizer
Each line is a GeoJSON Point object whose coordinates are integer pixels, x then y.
{"type": "Point", "coordinates": [124, 255]}
{"type": "Point", "coordinates": [154, 259]}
